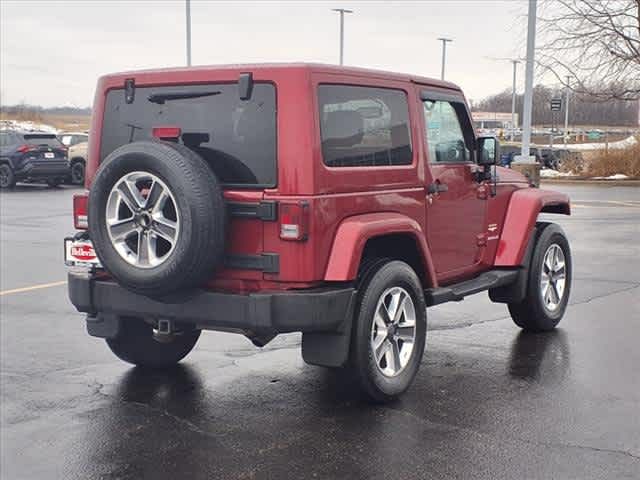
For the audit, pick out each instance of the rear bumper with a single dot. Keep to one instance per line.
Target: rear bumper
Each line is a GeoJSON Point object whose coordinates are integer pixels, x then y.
{"type": "Point", "coordinates": [43, 169]}
{"type": "Point", "coordinates": [319, 310]}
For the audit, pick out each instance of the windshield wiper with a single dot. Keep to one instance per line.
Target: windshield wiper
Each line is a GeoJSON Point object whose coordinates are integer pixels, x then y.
{"type": "Point", "coordinates": [160, 98]}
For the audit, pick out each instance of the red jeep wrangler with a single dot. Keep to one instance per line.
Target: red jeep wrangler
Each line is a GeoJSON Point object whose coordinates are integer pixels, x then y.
{"type": "Point", "coordinates": [338, 202]}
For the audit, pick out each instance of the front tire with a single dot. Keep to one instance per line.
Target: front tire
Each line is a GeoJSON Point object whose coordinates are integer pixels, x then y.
{"type": "Point", "coordinates": [549, 282]}
{"type": "Point", "coordinates": [136, 344]}
{"type": "Point", "coordinates": [390, 328]}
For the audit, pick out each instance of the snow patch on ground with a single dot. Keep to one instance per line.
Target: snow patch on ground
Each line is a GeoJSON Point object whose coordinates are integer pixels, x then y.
{"type": "Point", "coordinates": [619, 145]}
{"type": "Point", "coordinates": [617, 176]}
{"type": "Point", "coordinates": [27, 126]}
{"type": "Point", "coordinates": [549, 173]}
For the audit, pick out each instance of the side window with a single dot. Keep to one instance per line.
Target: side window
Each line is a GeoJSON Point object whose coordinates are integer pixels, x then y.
{"type": "Point", "coordinates": [364, 126]}
{"type": "Point", "coordinates": [4, 139]}
{"type": "Point", "coordinates": [445, 136]}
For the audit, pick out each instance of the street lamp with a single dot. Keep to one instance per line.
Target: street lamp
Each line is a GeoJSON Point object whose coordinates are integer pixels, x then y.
{"type": "Point", "coordinates": [342, 11]}
{"type": "Point", "coordinates": [525, 163]}
{"type": "Point", "coordinates": [513, 100]}
{"type": "Point", "coordinates": [188, 15]}
{"type": "Point", "coordinates": [444, 54]}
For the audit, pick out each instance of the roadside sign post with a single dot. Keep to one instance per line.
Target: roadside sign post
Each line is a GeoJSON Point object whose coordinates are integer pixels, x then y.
{"type": "Point", "coordinates": [556, 106]}
{"type": "Point", "coordinates": [566, 112]}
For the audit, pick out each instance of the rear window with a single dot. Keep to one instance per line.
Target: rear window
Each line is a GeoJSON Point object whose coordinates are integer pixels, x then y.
{"type": "Point", "coordinates": [364, 126]}
{"type": "Point", "coordinates": [237, 138]}
{"type": "Point", "coordinates": [40, 139]}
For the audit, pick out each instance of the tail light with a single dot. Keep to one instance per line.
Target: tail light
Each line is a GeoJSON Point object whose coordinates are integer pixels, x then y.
{"type": "Point", "coordinates": [294, 221]}
{"type": "Point", "coordinates": [80, 211]}
{"type": "Point", "coordinates": [166, 133]}
{"type": "Point", "coordinates": [26, 148]}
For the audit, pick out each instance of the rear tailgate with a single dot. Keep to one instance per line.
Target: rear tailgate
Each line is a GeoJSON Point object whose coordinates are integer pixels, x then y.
{"type": "Point", "coordinates": [233, 134]}
{"type": "Point", "coordinates": [45, 147]}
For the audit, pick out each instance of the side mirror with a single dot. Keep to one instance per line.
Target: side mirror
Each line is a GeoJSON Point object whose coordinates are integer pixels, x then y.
{"type": "Point", "coordinates": [488, 150]}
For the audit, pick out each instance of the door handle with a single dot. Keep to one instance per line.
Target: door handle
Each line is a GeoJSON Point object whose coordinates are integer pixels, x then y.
{"type": "Point", "coordinates": [437, 187]}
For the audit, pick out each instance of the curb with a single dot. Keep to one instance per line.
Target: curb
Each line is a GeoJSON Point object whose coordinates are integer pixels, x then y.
{"type": "Point", "coordinates": [633, 182]}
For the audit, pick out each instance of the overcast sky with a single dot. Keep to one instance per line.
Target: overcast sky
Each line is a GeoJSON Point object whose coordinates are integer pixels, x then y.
{"type": "Point", "coordinates": [51, 53]}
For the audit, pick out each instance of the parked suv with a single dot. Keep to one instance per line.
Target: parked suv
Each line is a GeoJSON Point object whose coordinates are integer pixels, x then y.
{"type": "Point", "coordinates": [77, 144]}
{"type": "Point", "coordinates": [338, 202]}
{"type": "Point", "coordinates": [69, 139]}
{"type": "Point", "coordinates": [31, 157]}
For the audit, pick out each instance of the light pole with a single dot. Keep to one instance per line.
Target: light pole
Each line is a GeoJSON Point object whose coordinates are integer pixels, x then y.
{"type": "Point", "coordinates": [528, 84]}
{"type": "Point", "coordinates": [525, 163]}
{"type": "Point", "coordinates": [513, 100]}
{"type": "Point", "coordinates": [566, 111]}
{"type": "Point", "coordinates": [444, 54]}
{"type": "Point", "coordinates": [188, 15]}
{"type": "Point", "coordinates": [342, 11]}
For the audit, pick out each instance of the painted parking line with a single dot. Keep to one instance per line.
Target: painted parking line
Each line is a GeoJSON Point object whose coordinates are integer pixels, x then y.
{"type": "Point", "coordinates": [32, 287]}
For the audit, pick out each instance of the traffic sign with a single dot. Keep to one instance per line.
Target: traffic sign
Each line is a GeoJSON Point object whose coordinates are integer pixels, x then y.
{"type": "Point", "coordinates": [556, 104]}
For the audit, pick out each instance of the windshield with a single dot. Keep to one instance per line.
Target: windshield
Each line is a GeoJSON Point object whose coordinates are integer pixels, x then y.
{"type": "Point", "coordinates": [237, 138]}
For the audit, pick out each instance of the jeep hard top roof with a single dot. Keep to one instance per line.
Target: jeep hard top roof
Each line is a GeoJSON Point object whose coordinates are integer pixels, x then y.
{"type": "Point", "coordinates": [265, 68]}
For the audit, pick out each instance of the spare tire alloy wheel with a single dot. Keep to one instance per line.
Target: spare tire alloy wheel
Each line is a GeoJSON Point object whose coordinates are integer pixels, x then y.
{"type": "Point", "coordinates": [157, 218]}
{"type": "Point", "coordinates": [143, 220]}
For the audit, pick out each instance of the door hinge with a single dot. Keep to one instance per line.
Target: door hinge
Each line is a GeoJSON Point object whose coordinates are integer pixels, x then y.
{"type": "Point", "coordinates": [481, 239]}
{"type": "Point", "coordinates": [482, 192]}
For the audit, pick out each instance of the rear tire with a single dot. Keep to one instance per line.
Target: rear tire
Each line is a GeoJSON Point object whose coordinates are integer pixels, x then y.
{"type": "Point", "coordinates": [7, 177]}
{"type": "Point", "coordinates": [54, 182]}
{"type": "Point", "coordinates": [77, 172]}
{"type": "Point", "coordinates": [549, 282]}
{"type": "Point", "coordinates": [386, 351]}
{"type": "Point", "coordinates": [135, 344]}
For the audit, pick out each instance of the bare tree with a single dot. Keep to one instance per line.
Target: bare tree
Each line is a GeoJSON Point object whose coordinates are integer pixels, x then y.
{"type": "Point", "coordinates": [596, 43]}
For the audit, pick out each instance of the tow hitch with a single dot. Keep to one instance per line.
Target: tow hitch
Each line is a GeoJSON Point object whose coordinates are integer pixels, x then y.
{"type": "Point", "coordinates": [164, 331]}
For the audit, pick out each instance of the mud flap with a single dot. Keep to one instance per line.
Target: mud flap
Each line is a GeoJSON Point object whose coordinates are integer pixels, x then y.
{"type": "Point", "coordinates": [329, 349]}
{"type": "Point", "coordinates": [516, 291]}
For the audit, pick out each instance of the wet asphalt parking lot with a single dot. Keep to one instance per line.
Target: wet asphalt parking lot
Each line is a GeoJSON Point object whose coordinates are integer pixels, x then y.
{"type": "Point", "coordinates": [488, 402]}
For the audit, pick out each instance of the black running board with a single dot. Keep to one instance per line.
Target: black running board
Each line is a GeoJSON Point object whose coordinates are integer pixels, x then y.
{"type": "Point", "coordinates": [483, 282]}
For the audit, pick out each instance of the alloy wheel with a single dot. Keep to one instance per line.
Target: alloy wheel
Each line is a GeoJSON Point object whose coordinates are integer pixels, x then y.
{"type": "Point", "coordinates": [553, 277]}
{"type": "Point", "coordinates": [142, 219]}
{"type": "Point", "coordinates": [393, 331]}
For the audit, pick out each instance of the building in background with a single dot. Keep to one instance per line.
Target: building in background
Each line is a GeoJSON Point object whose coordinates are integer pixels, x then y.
{"type": "Point", "coordinates": [494, 122]}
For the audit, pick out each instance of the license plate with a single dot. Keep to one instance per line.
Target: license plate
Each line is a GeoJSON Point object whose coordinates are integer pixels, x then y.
{"type": "Point", "coordinates": [80, 253]}
{"type": "Point", "coordinates": [49, 155]}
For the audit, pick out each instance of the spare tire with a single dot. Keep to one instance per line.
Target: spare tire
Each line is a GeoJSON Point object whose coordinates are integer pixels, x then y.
{"type": "Point", "coordinates": [157, 217]}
